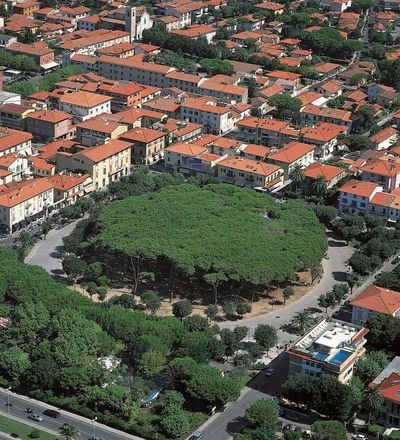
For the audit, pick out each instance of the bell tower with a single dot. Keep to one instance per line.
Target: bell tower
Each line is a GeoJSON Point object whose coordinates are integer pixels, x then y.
{"type": "Point", "coordinates": [130, 22]}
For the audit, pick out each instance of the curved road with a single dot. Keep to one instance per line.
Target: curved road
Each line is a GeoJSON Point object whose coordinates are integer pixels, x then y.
{"type": "Point", "coordinates": [334, 271]}
{"type": "Point", "coordinates": [49, 253]}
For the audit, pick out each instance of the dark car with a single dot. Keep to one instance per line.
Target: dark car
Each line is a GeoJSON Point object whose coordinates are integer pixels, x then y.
{"type": "Point", "coordinates": [51, 413]}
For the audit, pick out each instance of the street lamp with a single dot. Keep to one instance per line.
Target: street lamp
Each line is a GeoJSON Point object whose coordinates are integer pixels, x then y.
{"type": "Point", "coordinates": [8, 405]}
{"type": "Point", "coordinates": [94, 427]}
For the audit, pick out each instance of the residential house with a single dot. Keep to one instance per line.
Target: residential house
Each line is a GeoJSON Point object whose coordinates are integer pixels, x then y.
{"type": "Point", "coordinates": [147, 145]}
{"type": "Point", "coordinates": [14, 141]}
{"type": "Point", "coordinates": [313, 114]}
{"type": "Point", "coordinates": [179, 131]}
{"type": "Point", "coordinates": [385, 138]}
{"type": "Point", "coordinates": [13, 167]}
{"type": "Point", "coordinates": [190, 159]}
{"type": "Point", "coordinates": [39, 167]}
{"type": "Point", "coordinates": [330, 347]}
{"type": "Point", "coordinates": [196, 31]}
{"type": "Point", "coordinates": [355, 196]}
{"type": "Point", "coordinates": [372, 300]}
{"type": "Point", "coordinates": [26, 8]}
{"type": "Point", "coordinates": [292, 155]}
{"type": "Point", "coordinates": [85, 105]}
{"type": "Point", "coordinates": [68, 188]}
{"type": "Point", "coordinates": [388, 383]}
{"type": "Point", "coordinates": [381, 94]}
{"type": "Point", "coordinates": [105, 163]}
{"type": "Point", "coordinates": [331, 175]}
{"type": "Point", "coordinates": [276, 8]}
{"type": "Point", "coordinates": [325, 136]}
{"type": "Point", "coordinates": [41, 54]}
{"type": "Point", "coordinates": [123, 95]}
{"type": "Point", "coordinates": [24, 201]}
{"type": "Point", "coordinates": [385, 173]}
{"type": "Point", "coordinates": [386, 205]}
{"type": "Point", "coordinates": [50, 125]}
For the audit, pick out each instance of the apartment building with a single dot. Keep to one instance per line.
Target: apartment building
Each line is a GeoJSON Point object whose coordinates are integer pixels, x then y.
{"type": "Point", "coordinates": [372, 300]}
{"type": "Point", "coordinates": [312, 114]}
{"type": "Point", "coordinates": [249, 173]}
{"type": "Point", "coordinates": [261, 131]}
{"type": "Point", "coordinates": [132, 70]}
{"type": "Point", "coordinates": [224, 91]}
{"type": "Point", "coordinates": [330, 347]}
{"type": "Point", "coordinates": [98, 39]}
{"type": "Point", "coordinates": [292, 155]}
{"type": "Point", "coordinates": [214, 119]}
{"type": "Point", "coordinates": [25, 201]}
{"type": "Point", "coordinates": [355, 196]}
{"type": "Point", "coordinates": [147, 145]}
{"type": "Point", "coordinates": [105, 163]}
{"type": "Point", "coordinates": [51, 125]}
{"type": "Point", "coordinates": [84, 105]}
{"type": "Point", "coordinates": [123, 95]}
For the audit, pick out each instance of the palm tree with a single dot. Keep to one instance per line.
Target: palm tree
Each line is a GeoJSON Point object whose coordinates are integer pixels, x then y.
{"type": "Point", "coordinates": [302, 320]}
{"type": "Point", "coordinates": [320, 185]}
{"type": "Point", "coordinates": [297, 175]}
{"type": "Point", "coordinates": [68, 432]}
{"type": "Point", "coordinates": [373, 399]}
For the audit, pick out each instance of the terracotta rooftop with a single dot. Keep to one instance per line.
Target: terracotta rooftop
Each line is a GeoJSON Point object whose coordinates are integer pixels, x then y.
{"type": "Point", "coordinates": [378, 299]}
{"type": "Point", "coordinates": [84, 99]}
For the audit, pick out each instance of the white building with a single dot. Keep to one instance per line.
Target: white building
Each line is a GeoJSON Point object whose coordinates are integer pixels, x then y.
{"type": "Point", "coordinates": [85, 105]}
{"type": "Point", "coordinates": [373, 300]}
{"type": "Point", "coordinates": [355, 196]}
{"type": "Point", "coordinates": [215, 119]}
{"type": "Point", "coordinates": [29, 199]}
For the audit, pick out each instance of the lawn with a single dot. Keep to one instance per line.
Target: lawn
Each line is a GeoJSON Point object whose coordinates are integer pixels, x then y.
{"type": "Point", "coordinates": [22, 430]}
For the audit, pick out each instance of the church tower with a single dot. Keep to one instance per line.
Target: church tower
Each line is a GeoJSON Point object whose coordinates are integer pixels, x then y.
{"type": "Point", "coordinates": [130, 22]}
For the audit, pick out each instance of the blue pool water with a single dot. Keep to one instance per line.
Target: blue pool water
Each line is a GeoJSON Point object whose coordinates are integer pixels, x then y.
{"type": "Point", "coordinates": [339, 357]}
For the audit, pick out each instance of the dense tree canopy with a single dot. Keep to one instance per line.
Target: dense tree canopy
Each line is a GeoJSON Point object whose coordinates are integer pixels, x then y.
{"type": "Point", "coordinates": [220, 228]}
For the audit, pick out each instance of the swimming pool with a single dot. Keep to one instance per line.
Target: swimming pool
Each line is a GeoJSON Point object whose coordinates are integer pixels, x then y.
{"type": "Point", "coordinates": [339, 357]}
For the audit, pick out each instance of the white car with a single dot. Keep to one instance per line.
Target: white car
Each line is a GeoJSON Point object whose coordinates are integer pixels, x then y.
{"type": "Point", "coordinates": [35, 417]}
{"type": "Point", "coordinates": [359, 437]}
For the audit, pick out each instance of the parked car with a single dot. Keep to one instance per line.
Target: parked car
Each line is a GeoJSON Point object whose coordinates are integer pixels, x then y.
{"type": "Point", "coordinates": [359, 437]}
{"type": "Point", "coordinates": [51, 413]}
{"type": "Point", "coordinates": [269, 371]}
{"type": "Point", "coordinates": [35, 417]}
{"type": "Point", "coordinates": [95, 438]}
{"type": "Point", "coordinates": [198, 435]}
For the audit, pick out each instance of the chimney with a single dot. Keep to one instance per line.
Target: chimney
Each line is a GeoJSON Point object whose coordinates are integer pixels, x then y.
{"type": "Point", "coordinates": [2, 69]}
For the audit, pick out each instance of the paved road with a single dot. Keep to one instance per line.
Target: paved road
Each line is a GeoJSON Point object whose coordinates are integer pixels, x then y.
{"type": "Point", "coordinates": [87, 428]}
{"type": "Point", "coordinates": [48, 253]}
{"type": "Point", "coordinates": [334, 271]}
{"type": "Point", "coordinates": [223, 426]}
